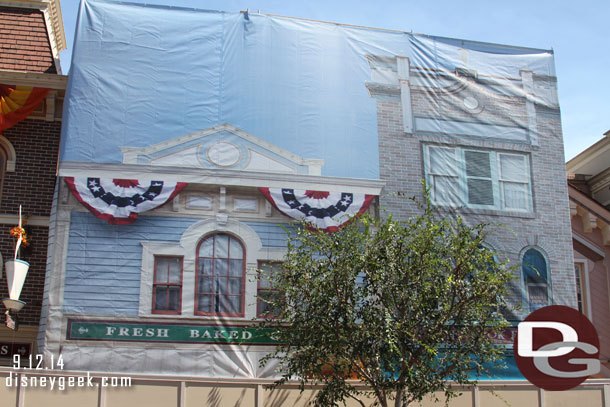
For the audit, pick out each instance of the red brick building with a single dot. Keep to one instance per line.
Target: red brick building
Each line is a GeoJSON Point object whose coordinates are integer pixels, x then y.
{"type": "Point", "coordinates": [32, 90]}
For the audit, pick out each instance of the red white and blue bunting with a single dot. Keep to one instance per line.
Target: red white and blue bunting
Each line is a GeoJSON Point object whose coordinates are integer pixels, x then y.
{"type": "Point", "coordinates": [118, 201]}
{"type": "Point", "coordinates": [323, 210]}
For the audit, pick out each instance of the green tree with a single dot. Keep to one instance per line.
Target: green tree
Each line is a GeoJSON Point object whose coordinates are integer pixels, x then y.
{"type": "Point", "coordinates": [405, 307]}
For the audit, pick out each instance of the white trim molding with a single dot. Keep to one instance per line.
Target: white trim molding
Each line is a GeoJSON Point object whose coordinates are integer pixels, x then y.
{"type": "Point", "coordinates": [11, 155]}
{"type": "Point", "coordinates": [187, 248]}
{"type": "Point", "coordinates": [219, 176]}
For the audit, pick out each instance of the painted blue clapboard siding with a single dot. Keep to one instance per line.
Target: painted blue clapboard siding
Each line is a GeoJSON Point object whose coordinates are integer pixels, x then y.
{"type": "Point", "coordinates": [271, 235]}
{"type": "Point", "coordinates": [104, 261]}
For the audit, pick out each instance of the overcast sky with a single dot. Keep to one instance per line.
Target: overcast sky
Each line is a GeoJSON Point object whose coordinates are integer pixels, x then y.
{"type": "Point", "coordinates": [577, 31]}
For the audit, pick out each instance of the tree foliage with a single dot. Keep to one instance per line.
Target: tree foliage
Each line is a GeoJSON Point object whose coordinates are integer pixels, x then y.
{"type": "Point", "coordinates": [405, 307]}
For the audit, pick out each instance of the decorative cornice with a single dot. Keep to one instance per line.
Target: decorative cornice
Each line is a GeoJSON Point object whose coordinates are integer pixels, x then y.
{"type": "Point", "coordinates": [600, 181]}
{"type": "Point", "coordinates": [51, 10]}
{"type": "Point", "coordinates": [58, 25]}
{"type": "Point", "coordinates": [56, 19]}
{"type": "Point", "coordinates": [592, 215]}
{"type": "Point", "coordinates": [596, 151]}
{"type": "Point", "coordinates": [589, 204]}
{"type": "Point", "coordinates": [224, 177]}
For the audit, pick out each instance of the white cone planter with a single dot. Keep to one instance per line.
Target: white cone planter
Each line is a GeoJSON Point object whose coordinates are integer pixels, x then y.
{"type": "Point", "coordinates": [16, 270]}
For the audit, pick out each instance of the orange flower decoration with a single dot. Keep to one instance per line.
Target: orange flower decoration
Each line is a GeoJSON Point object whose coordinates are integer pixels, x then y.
{"type": "Point", "coordinates": [19, 231]}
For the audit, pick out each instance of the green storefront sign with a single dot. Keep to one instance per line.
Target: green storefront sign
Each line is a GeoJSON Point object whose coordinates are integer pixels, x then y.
{"type": "Point", "coordinates": [160, 332]}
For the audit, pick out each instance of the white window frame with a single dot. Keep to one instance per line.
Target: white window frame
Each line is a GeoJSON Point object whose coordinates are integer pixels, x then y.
{"type": "Point", "coordinates": [462, 178]}
{"type": "Point", "coordinates": [432, 176]}
{"type": "Point", "coordinates": [585, 289]}
{"type": "Point", "coordinates": [527, 182]}
{"type": "Point", "coordinates": [187, 248]}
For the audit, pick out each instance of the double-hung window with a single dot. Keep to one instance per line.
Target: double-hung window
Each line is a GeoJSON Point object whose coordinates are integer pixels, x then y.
{"type": "Point", "coordinates": [443, 175]}
{"type": "Point", "coordinates": [268, 298]}
{"type": "Point", "coordinates": [478, 178]}
{"type": "Point", "coordinates": [514, 181]}
{"type": "Point", "coordinates": [167, 285]}
{"type": "Point", "coordinates": [582, 289]}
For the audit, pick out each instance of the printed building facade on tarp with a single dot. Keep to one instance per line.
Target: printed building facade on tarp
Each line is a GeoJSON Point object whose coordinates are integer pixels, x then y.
{"type": "Point", "coordinates": [193, 139]}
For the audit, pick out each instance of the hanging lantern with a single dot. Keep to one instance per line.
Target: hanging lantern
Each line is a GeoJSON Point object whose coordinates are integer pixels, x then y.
{"type": "Point", "coordinates": [16, 271]}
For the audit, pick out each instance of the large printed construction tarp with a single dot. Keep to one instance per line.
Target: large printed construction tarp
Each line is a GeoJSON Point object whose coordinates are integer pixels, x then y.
{"type": "Point", "coordinates": [142, 75]}
{"type": "Point", "coordinates": [157, 92]}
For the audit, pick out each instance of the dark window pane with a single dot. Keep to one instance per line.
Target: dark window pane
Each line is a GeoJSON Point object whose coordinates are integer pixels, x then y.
{"type": "Point", "coordinates": [477, 164]}
{"type": "Point", "coordinates": [579, 296]}
{"type": "Point", "coordinates": [268, 270]}
{"type": "Point", "coordinates": [205, 285]}
{"type": "Point", "coordinates": [235, 286]}
{"type": "Point", "coordinates": [534, 265]}
{"type": "Point", "coordinates": [221, 267]}
{"type": "Point", "coordinates": [221, 305]}
{"type": "Point", "coordinates": [220, 285]}
{"type": "Point", "coordinates": [236, 267]}
{"type": "Point", "coordinates": [160, 298]}
{"type": "Point", "coordinates": [263, 281]}
{"type": "Point", "coordinates": [234, 304]}
{"type": "Point", "coordinates": [205, 267]}
{"type": "Point", "coordinates": [204, 303]}
{"type": "Point", "coordinates": [269, 301]}
{"type": "Point", "coordinates": [480, 192]}
{"type": "Point", "coordinates": [174, 299]}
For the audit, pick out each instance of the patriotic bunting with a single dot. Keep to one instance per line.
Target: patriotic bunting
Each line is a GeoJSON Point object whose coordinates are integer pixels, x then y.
{"type": "Point", "coordinates": [17, 102]}
{"type": "Point", "coordinates": [324, 210]}
{"type": "Point", "coordinates": [118, 201]}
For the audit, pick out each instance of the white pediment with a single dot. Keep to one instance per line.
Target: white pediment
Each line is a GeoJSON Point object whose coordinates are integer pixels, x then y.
{"type": "Point", "coordinates": [223, 147]}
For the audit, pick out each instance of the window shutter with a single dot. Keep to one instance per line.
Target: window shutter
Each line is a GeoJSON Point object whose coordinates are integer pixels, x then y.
{"type": "Point", "coordinates": [478, 174]}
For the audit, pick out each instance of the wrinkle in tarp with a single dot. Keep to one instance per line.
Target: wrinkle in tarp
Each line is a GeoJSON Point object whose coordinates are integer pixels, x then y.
{"type": "Point", "coordinates": [143, 75]}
